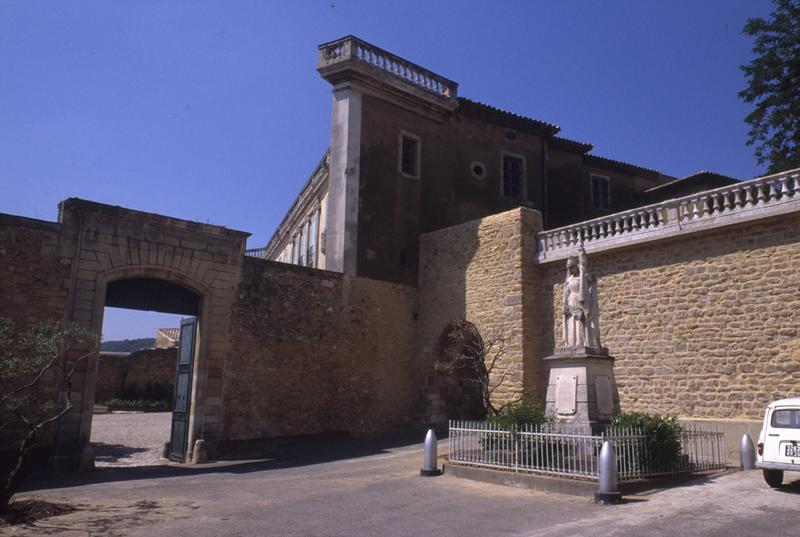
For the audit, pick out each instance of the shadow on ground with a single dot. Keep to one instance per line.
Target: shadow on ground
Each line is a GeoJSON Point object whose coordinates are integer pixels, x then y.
{"type": "Point", "coordinates": [672, 481]}
{"type": "Point", "coordinates": [109, 521]}
{"type": "Point", "coordinates": [298, 456]}
{"type": "Point", "coordinates": [789, 487]}
{"type": "Point", "coordinates": [110, 453]}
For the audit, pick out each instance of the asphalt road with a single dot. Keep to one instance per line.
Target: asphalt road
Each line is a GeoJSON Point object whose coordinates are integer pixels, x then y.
{"type": "Point", "coordinates": [379, 492]}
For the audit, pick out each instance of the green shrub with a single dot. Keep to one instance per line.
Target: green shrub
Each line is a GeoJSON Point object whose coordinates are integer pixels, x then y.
{"type": "Point", "coordinates": [141, 405]}
{"type": "Point", "coordinates": [514, 416]}
{"type": "Point", "coordinates": [663, 435]}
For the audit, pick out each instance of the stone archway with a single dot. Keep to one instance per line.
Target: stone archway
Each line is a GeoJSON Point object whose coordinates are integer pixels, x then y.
{"type": "Point", "coordinates": [109, 244]}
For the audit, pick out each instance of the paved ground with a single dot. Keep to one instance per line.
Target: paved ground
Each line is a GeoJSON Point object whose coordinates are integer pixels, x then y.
{"type": "Point", "coordinates": [129, 439]}
{"type": "Point", "coordinates": [336, 491]}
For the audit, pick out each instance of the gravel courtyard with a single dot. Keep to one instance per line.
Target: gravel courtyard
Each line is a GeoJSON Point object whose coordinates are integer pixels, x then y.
{"type": "Point", "coordinates": [130, 439]}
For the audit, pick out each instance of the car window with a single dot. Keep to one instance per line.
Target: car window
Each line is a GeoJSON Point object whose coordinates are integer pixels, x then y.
{"type": "Point", "coordinates": [786, 418]}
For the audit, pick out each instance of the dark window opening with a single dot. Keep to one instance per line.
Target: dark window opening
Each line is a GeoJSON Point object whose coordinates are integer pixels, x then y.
{"type": "Point", "coordinates": [512, 177]}
{"type": "Point", "coordinates": [403, 258]}
{"type": "Point", "coordinates": [601, 196]}
{"type": "Point", "coordinates": [408, 157]}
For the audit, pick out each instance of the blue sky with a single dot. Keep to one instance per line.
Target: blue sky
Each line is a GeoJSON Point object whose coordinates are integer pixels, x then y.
{"type": "Point", "coordinates": [213, 111]}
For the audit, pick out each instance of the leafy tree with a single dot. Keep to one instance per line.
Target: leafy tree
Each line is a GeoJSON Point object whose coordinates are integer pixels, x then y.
{"type": "Point", "coordinates": [774, 86]}
{"type": "Point", "coordinates": [35, 368]}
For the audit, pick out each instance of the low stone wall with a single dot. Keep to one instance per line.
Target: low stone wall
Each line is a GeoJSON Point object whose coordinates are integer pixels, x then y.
{"type": "Point", "coordinates": [317, 352]}
{"type": "Point", "coordinates": [142, 374]}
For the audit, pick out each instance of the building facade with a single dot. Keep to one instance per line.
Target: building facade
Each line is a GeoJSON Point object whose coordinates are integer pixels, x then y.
{"type": "Point", "coordinates": [409, 156]}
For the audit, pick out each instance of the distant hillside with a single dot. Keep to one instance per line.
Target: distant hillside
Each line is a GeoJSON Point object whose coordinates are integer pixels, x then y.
{"type": "Point", "coordinates": [128, 345]}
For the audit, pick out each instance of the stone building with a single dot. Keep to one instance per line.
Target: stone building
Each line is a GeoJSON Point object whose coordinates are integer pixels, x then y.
{"type": "Point", "coordinates": [167, 338]}
{"type": "Point", "coordinates": [409, 156]}
{"type": "Point", "coordinates": [420, 215]}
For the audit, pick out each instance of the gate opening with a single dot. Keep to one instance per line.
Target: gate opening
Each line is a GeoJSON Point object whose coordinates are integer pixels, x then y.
{"type": "Point", "coordinates": [143, 386]}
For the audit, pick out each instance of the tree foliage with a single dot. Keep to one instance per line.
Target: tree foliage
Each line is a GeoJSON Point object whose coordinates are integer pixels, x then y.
{"type": "Point", "coordinates": [36, 370]}
{"type": "Point", "coordinates": [774, 86]}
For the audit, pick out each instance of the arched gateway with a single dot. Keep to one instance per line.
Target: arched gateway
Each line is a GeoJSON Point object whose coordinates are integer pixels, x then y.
{"type": "Point", "coordinates": [111, 256]}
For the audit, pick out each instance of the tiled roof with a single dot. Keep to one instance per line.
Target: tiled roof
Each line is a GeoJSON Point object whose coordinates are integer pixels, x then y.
{"type": "Point", "coordinates": [490, 114]}
{"type": "Point", "coordinates": [611, 164]}
{"type": "Point", "coordinates": [697, 176]}
{"type": "Point", "coordinates": [172, 333]}
{"type": "Point", "coordinates": [559, 142]}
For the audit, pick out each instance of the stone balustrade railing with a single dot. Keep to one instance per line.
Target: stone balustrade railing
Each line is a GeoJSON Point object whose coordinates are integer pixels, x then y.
{"type": "Point", "coordinates": [256, 252]}
{"type": "Point", "coordinates": [351, 48]}
{"type": "Point", "coordinates": [749, 200]}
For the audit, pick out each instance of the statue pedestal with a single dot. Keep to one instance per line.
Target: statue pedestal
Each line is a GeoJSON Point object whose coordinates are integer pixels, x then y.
{"type": "Point", "coordinates": [581, 389]}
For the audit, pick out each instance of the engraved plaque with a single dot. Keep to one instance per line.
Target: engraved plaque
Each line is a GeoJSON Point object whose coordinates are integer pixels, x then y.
{"type": "Point", "coordinates": [566, 394]}
{"type": "Point", "coordinates": [605, 396]}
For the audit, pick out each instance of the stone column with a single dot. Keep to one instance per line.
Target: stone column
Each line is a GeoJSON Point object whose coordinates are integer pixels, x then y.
{"type": "Point", "coordinates": [341, 227]}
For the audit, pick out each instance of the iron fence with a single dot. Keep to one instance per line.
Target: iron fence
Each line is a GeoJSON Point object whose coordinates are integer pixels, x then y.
{"type": "Point", "coordinates": [572, 452]}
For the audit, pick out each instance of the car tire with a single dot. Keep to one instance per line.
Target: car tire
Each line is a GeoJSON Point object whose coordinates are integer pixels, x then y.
{"type": "Point", "coordinates": [774, 478]}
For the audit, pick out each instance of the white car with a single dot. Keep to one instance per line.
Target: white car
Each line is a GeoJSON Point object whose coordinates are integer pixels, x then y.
{"type": "Point", "coordinates": [778, 446]}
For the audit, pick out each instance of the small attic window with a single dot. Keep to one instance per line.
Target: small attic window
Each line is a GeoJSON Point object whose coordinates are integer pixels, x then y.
{"type": "Point", "coordinates": [511, 136]}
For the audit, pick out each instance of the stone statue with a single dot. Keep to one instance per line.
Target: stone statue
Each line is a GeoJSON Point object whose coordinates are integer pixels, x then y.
{"type": "Point", "coordinates": [581, 310]}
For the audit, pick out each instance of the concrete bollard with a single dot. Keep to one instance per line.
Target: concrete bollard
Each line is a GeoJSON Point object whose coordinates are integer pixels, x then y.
{"type": "Point", "coordinates": [199, 455]}
{"type": "Point", "coordinates": [429, 458]}
{"type": "Point", "coordinates": [747, 452]}
{"type": "Point", "coordinates": [607, 491]}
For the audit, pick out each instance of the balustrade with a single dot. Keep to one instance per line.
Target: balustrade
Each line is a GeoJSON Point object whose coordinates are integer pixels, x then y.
{"type": "Point", "coordinates": [762, 192]}
{"type": "Point", "coordinates": [354, 49]}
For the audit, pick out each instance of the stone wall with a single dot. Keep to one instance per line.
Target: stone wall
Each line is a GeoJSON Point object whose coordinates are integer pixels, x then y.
{"type": "Point", "coordinates": [318, 352]}
{"type": "Point", "coordinates": [62, 270]}
{"type": "Point", "coordinates": [134, 375]}
{"type": "Point", "coordinates": [34, 286]}
{"type": "Point", "coordinates": [35, 265]}
{"type": "Point", "coordinates": [477, 271]}
{"type": "Point", "coordinates": [701, 326]}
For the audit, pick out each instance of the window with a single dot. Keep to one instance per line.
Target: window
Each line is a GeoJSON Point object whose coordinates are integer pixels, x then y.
{"type": "Point", "coordinates": [303, 245]}
{"type": "Point", "coordinates": [409, 154]}
{"type": "Point", "coordinates": [786, 419]}
{"type": "Point", "coordinates": [478, 170]}
{"type": "Point", "coordinates": [601, 196]}
{"type": "Point", "coordinates": [513, 176]}
{"type": "Point", "coordinates": [312, 240]}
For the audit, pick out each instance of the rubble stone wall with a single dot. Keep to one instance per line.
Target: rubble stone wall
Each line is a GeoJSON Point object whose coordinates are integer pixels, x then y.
{"type": "Point", "coordinates": [702, 326]}
{"type": "Point", "coordinates": [319, 352]}
{"type": "Point", "coordinates": [141, 374]}
{"type": "Point", "coordinates": [477, 271]}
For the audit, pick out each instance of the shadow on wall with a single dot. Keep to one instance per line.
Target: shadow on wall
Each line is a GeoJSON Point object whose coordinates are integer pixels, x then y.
{"type": "Point", "coordinates": [473, 273]}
